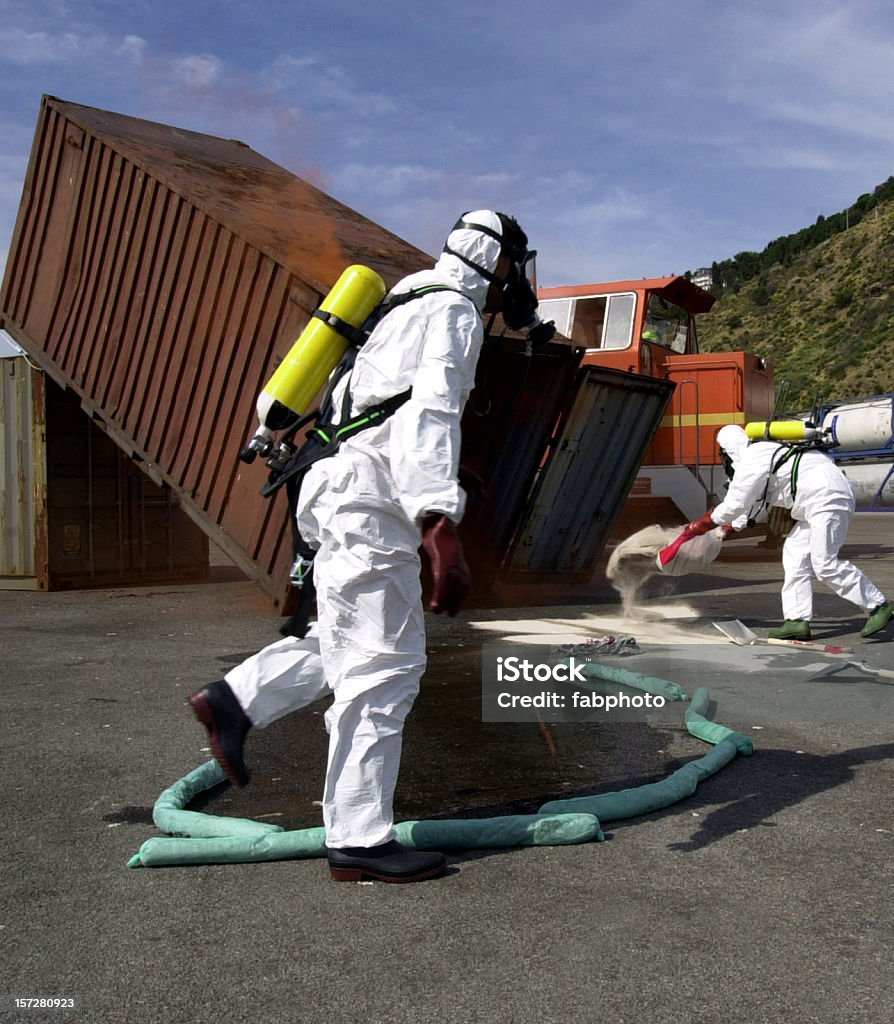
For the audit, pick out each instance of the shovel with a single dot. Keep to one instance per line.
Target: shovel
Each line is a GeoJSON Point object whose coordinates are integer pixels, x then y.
{"type": "Point", "coordinates": [860, 666]}
{"type": "Point", "coordinates": [740, 634]}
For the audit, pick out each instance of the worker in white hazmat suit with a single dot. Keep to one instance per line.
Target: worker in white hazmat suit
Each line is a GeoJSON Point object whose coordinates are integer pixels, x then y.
{"type": "Point", "coordinates": [365, 511]}
{"type": "Point", "coordinates": [821, 501]}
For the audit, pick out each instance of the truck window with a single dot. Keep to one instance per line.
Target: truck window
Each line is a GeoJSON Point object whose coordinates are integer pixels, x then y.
{"type": "Point", "coordinates": [595, 322]}
{"type": "Point", "coordinates": [560, 311]}
{"type": "Point", "coordinates": [619, 323]}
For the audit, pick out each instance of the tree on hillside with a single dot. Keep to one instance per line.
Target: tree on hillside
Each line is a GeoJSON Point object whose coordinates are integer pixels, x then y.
{"type": "Point", "coordinates": [744, 266]}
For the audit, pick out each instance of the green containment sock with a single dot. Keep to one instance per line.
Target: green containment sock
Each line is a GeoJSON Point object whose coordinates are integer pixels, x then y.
{"type": "Point", "coordinates": [492, 833]}
{"type": "Point", "coordinates": [630, 803]}
{"type": "Point", "coordinates": [169, 815]}
{"type": "Point", "coordinates": [473, 834]}
{"type": "Point", "coordinates": [308, 842]}
{"type": "Point", "coordinates": [711, 732]}
{"type": "Point", "coordinates": [648, 684]}
{"type": "Point", "coordinates": [219, 840]}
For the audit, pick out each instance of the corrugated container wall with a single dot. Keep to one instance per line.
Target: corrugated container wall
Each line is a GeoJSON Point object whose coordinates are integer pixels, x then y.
{"type": "Point", "coordinates": [597, 453]}
{"type": "Point", "coordinates": [107, 522]}
{"type": "Point", "coordinates": [159, 274]}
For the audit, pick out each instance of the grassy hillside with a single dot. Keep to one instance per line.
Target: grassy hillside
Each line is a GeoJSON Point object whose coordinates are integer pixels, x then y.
{"type": "Point", "coordinates": [825, 320]}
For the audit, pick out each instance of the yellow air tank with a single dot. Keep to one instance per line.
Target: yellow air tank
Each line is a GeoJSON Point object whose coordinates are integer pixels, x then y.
{"type": "Point", "coordinates": [780, 430]}
{"type": "Point", "coordinates": [319, 347]}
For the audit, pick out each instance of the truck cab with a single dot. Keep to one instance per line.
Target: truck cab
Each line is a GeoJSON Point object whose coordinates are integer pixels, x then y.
{"type": "Point", "coordinates": [629, 325]}
{"type": "Point", "coordinates": [648, 327]}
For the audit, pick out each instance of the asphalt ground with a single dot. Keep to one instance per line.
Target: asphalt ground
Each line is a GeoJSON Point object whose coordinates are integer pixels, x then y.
{"type": "Point", "coordinates": [766, 896]}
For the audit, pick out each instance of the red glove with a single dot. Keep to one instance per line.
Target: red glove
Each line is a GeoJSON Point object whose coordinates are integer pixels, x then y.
{"type": "Point", "coordinates": [448, 563]}
{"type": "Point", "coordinates": [696, 529]}
{"type": "Point", "coordinates": [700, 526]}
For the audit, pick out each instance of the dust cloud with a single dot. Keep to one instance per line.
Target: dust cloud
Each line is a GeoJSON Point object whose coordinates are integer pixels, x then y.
{"type": "Point", "coordinates": [632, 563]}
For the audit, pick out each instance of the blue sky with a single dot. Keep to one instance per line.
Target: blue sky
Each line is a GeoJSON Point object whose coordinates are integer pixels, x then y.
{"type": "Point", "coordinates": [630, 139]}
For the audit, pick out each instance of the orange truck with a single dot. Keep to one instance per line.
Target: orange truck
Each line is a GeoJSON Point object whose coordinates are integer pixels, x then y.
{"type": "Point", "coordinates": [648, 326]}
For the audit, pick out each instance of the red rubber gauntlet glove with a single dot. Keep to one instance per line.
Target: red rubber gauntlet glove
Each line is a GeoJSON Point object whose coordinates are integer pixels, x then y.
{"type": "Point", "coordinates": [450, 572]}
{"type": "Point", "coordinates": [700, 526]}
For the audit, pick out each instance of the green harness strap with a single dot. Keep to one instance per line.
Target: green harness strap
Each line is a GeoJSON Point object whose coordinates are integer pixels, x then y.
{"type": "Point", "coordinates": [796, 465]}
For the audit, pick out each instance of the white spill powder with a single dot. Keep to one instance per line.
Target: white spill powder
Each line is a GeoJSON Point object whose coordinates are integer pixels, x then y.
{"type": "Point", "coordinates": [633, 562]}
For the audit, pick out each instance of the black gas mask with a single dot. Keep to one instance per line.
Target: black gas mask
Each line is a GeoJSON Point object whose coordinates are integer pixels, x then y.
{"type": "Point", "coordinates": [518, 288]}
{"type": "Point", "coordinates": [520, 302]}
{"type": "Point", "coordinates": [727, 462]}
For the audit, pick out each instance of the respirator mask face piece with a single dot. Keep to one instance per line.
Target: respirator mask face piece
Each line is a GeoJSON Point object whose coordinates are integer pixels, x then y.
{"type": "Point", "coordinates": [520, 287]}
{"type": "Point", "coordinates": [519, 294]}
{"type": "Point", "coordinates": [727, 461]}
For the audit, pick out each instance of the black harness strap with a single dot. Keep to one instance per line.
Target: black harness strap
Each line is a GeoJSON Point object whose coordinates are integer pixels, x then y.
{"type": "Point", "coordinates": [353, 334]}
{"type": "Point", "coordinates": [325, 439]}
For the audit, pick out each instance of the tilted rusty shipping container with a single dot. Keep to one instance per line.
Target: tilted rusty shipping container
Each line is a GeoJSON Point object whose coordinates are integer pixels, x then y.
{"type": "Point", "coordinates": [160, 275]}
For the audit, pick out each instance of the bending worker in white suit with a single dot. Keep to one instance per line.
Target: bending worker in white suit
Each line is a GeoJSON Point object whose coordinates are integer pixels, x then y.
{"type": "Point", "coordinates": [807, 482]}
{"type": "Point", "coordinates": [365, 511]}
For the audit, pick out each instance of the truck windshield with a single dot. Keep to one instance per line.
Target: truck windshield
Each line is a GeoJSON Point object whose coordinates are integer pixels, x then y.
{"type": "Point", "coordinates": [666, 324]}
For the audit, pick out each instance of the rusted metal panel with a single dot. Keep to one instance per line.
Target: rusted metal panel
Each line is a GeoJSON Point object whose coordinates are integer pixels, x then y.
{"type": "Point", "coordinates": [507, 426]}
{"type": "Point", "coordinates": [23, 527]}
{"type": "Point", "coordinates": [162, 274]}
{"type": "Point", "coordinates": [589, 476]}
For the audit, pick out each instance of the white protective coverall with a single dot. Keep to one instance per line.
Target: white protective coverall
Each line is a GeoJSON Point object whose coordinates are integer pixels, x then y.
{"type": "Point", "coordinates": [821, 506]}
{"type": "Point", "coordinates": [360, 510]}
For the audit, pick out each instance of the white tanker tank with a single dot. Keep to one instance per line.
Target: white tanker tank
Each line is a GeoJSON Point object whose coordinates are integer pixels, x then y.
{"type": "Point", "coordinates": [865, 426]}
{"type": "Point", "coordinates": [864, 435]}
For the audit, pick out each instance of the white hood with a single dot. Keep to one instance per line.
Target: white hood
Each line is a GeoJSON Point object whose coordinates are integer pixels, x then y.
{"type": "Point", "coordinates": [733, 440]}
{"type": "Point", "coordinates": [476, 247]}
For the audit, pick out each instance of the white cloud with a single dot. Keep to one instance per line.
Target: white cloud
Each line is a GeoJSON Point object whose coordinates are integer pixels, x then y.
{"type": "Point", "coordinates": [22, 47]}
{"type": "Point", "coordinates": [818, 66]}
{"type": "Point", "coordinates": [312, 81]}
{"type": "Point", "coordinates": [196, 71]}
{"type": "Point", "coordinates": [387, 182]}
{"type": "Point", "coordinates": [135, 46]}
